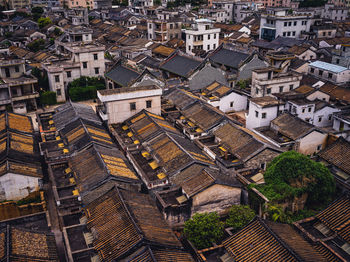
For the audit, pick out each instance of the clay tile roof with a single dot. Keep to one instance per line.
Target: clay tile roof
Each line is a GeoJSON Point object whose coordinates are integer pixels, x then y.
{"type": "Point", "coordinates": [163, 50]}
{"type": "Point", "coordinates": [337, 154]}
{"type": "Point", "coordinates": [304, 89]}
{"type": "Point", "coordinates": [337, 216]}
{"type": "Point", "coordinates": [256, 243]}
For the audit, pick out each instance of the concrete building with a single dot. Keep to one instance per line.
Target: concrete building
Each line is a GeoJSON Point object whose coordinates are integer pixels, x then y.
{"type": "Point", "coordinates": [102, 4]}
{"type": "Point", "coordinates": [243, 9]}
{"type": "Point", "coordinates": [18, 4]}
{"type": "Point", "coordinates": [117, 105]}
{"type": "Point", "coordinates": [17, 89]}
{"type": "Point", "coordinates": [203, 36]}
{"type": "Point", "coordinates": [275, 79]}
{"type": "Point", "coordinates": [280, 22]}
{"type": "Point", "coordinates": [226, 5]}
{"type": "Point", "coordinates": [138, 6]}
{"type": "Point", "coordinates": [83, 60]}
{"type": "Point", "coordinates": [341, 56]}
{"type": "Point", "coordinates": [336, 13]}
{"type": "Point", "coordinates": [262, 110]}
{"type": "Point", "coordinates": [333, 73]}
{"type": "Point", "coordinates": [162, 31]}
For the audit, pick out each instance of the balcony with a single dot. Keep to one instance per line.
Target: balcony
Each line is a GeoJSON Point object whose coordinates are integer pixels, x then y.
{"type": "Point", "coordinates": [269, 25]}
{"type": "Point", "coordinates": [25, 96]}
{"type": "Point", "coordinates": [102, 111]}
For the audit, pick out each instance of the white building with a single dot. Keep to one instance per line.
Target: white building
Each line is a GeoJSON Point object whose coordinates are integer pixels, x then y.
{"type": "Point", "coordinates": [203, 36]}
{"type": "Point", "coordinates": [280, 22]}
{"type": "Point", "coordinates": [262, 110]}
{"type": "Point", "coordinates": [337, 13]}
{"type": "Point", "coordinates": [333, 73]}
{"type": "Point", "coordinates": [117, 105]}
{"type": "Point", "coordinates": [225, 98]}
{"type": "Point", "coordinates": [85, 60]}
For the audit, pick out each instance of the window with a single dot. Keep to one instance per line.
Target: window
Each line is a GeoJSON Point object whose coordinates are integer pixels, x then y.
{"type": "Point", "coordinates": [7, 72]}
{"type": "Point", "coordinates": [303, 110]}
{"type": "Point", "coordinates": [150, 26]}
{"type": "Point", "coordinates": [148, 103]}
{"type": "Point", "coordinates": [289, 23]}
{"type": "Point", "coordinates": [293, 33]}
{"type": "Point", "coordinates": [262, 166]}
{"type": "Point", "coordinates": [231, 104]}
{"type": "Point", "coordinates": [319, 147]}
{"type": "Point", "coordinates": [214, 36]}
{"type": "Point", "coordinates": [208, 37]}
{"type": "Point", "coordinates": [295, 23]}
{"type": "Point", "coordinates": [84, 64]}
{"type": "Point", "coordinates": [312, 70]}
{"type": "Point", "coordinates": [95, 56]}
{"type": "Point", "coordinates": [256, 114]}
{"type": "Point", "coordinates": [214, 46]}
{"type": "Point", "coordinates": [330, 117]}
{"type": "Point", "coordinates": [319, 118]}
{"type": "Point", "coordinates": [309, 109]}
{"type": "Point", "coordinates": [263, 115]}
{"type": "Point", "coordinates": [17, 69]}
{"type": "Point", "coordinates": [69, 74]}
{"type": "Point", "coordinates": [329, 33]}
{"type": "Point", "coordinates": [320, 72]}
{"type": "Point", "coordinates": [288, 34]}
{"type": "Point", "coordinates": [58, 92]}
{"type": "Point", "coordinates": [281, 89]}
{"type": "Point", "coordinates": [324, 33]}
{"type": "Point", "coordinates": [284, 33]}
{"type": "Point", "coordinates": [268, 90]}
{"type": "Point", "coordinates": [338, 61]}
{"type": "Point", "coordinates": [291, 87]}
{"type": "Point", "coordinates": [57, 78]}
{"type": "Point", "coordinates": [330, 75]}
{"type": "Point", "coordinates": [132, 106]}
{"type": "Point", "coordinates": [150, 36]}
{"type": "Point", "coordinates": [285, 23]}
{"type": "Point", "coordinates": [97, 70]}
{"type": "Point", "coordinates": [207, 27]}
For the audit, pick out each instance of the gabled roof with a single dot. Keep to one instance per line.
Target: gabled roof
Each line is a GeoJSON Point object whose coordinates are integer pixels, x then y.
{"type": "Point", "coordinates": [229, 58]}
{"type": "Point", "coordinates": [216, 90]}
{"type": "Point", "coordinates": [122, 220]}
{"type": "Point", "coordinates": [122, 75]}
{"type": "Point", "coordinates": [336, 92]}
{"type": "Point", "coordinates": [337, 154]}
{"type": "Point", "coordinates": [180, 65]}
{"type": "Point", "coordinates": [255, 242]}
{"type": "Point", "coordinates": [181, 98]}
{"type": "Point", "coordinates": [291, 126]}
{"type": "Point", "coordinates": [237, 141]}
{"type": "Point", "coordinates": [206, 75]}
{"type": "Point", "coordinates": [70, 112]}
{"type": "Point", "coordinates": [96, 164]}
{"type": "Point", "coordinates": [16, 122]}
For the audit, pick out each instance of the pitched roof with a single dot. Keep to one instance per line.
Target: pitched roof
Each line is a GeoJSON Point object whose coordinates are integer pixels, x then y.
{"type": "Point", "coordinates": [337, 154]}
{"type": "Point", "coordinates": [216, 89]}
{"type": "Point", "coordinates": [163, 50]}
{"type": "Point", "coordinates": [256, 243]}
{"type": "Point", "coordinates": [237, 141]}
{"type": "Point", "coordinates": [180, 65]}
{"type": "Point", "coordinates": [181, 98]}
{"type": "Point", "coordinates": [336, 92]}
{"type": "Point", "coordinates": [96, 164]}
{"type": "Point", "coordinates": [124, 219]}
{"type": "Point", "coordinates": [292, 126]}
{"type": "Point", "coordinates": [337, 216]}
{"type": "Point", "coordinates": [122, 75]}
{"type": "Point", "coordinates": [228, 57]}
{"type": "Point", "coordinates": [70, 112]}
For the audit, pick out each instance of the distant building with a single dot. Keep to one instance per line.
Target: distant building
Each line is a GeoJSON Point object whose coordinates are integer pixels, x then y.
{"type": "Point", "coordinates": [203, 36]}
{"type": "Point", "coordinates": [337, 13]}
{"type": "Point", "coordinates": [117, 105]}
{"type": "Point", "coordinates": [163, 30]}
{"type": "Point", "coordinates": [329, 72]}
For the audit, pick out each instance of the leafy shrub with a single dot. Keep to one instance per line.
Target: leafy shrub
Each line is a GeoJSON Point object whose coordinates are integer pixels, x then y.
{"type": "Point", "coordinates": [82, 93]}
{"type": "Point", "coordinates": [48, 98]}
{"type": "Point", "coordinates": [239, 216]}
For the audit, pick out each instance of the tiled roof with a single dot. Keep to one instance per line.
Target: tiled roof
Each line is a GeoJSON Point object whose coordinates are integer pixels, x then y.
{"type": "Point", "coordinates": [256, 243]}
{"type": "Point", "coordinates": [216, 89]}
{"type": "Point", "coordinates": [336, 92]}
{"type": "Point", "coordinates": [228, 57]}
{"type": "Point", "coordinates": [337, 217]}
{"type": "Point", "coordinates": [181, 99]}
{"type": "Point", "coordinates": [121, 75]}
{"type": "Point", "coordinates": [180, 65]}
{"type": "Point", "coordinates": [292, 126]}
{"type": "Point", "coordinates": [338, 154]}
{"type": "Point", "coordinates": [163, 50]}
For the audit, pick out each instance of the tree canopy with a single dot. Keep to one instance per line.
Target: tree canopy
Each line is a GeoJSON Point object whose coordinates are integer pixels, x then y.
{"type": "Point", "coordinates": [44, 21]}
{"type": "Point", "coordinates": [36, 45]}
{"type": "Point", "coordinates": [204, 229]}
{"type": "Point", "coordinates": [292, 174]}
{"type": "Point", "coordinates": [239, 216]}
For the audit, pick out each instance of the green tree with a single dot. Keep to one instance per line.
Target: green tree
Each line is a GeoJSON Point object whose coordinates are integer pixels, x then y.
{"type": "Point", "coordinates": [85, 88]}
{"type": "Point", "coordinates": [204, 229]}
{"type": "Point", "coordinates": [276, 213]}
{"type": "Point", "coordinates": [57, 31]}
{"type": "Point", "coordinates": [292, 174]}
{"type": "Point", "coordinates": [44, 21]}
{"type": "Point", "coordinates": [36, 45]}
{"type": "Point", "coordinates": [239, 216]}
{"type": "Point", "coordinates": [48, 98]}
{"type": "Point", "coordinates": [43, 80]}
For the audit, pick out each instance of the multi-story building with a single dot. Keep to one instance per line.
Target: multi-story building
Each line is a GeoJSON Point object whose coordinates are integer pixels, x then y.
{"type": "Point", "coordinates": [226, 5]}
{"type": "Point", "coordinates": [218, 15]}
{"type": "Point", "coordinates": [161, 31]}
{"type": "Point", "coordinates": [18, 4]}
{"type": "Point", "coordinates": [337, 13]}
{"type": "Point", "coordinates": [102, 4]}
{"type": "Point", "coordinates": [77, 14]}
{"type": "Point", "coordinates": [83, 60]}
{"type": "Point", "coordinates": [17, 89]}
{"type": "Point", "coordinates": [138, 6]}
{"type": "Point", "coordinates": [203, 36]}
{"type": "Point", "coordinates": [341, 56]}
{"type": "Point", "coordinates": [282, 22]}
{"type": "Point", "coordinates": [275, 79]}
{"type": "Point", "coordinates": [243, 9]}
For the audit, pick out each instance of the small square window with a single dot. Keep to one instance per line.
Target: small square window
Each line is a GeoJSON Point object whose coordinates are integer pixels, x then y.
{"type": "Point", "coordinates": [268, 91]}
{"type": "Point", "coordinates": [330, 75]}
{"type": "Point", "coordinates": [148, 103]}
{"type": "Point", "coordinates": [309, 109]}
{"type": "Point", "coordinates": [330, 117]}
{"type": "Point", "coordinates": [256, 114]}
{"type": "Point", "coordinates": [132, 106]}
{"type": "Point", "coordinates": [231, 104]}
{"type": "Point", "coordinates": [84, 64]}
{"type": "Point", "coordinates": [57, 78]}
{"type": "Point", "coordinates": [281, 89]}
{"type": "Point", "coordinates": [69, 74]}
{"type": "Point", "coordinates": [303, 110]}
{"type": "Point", "coordinates": [95, 56]}
{"type": "Point", "coordinates": [263, 115]}
{"type": "Point", "coordinates": [320, 72]}
{"type": "Point", "coordinates": [291, 87]}
{"type": "Point", "coordinates": [319, 119]}
{"type": "Point", "coordinates": [97, 70]}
